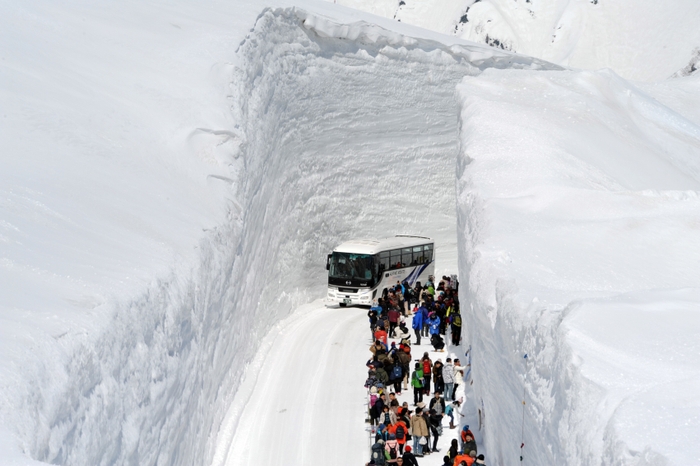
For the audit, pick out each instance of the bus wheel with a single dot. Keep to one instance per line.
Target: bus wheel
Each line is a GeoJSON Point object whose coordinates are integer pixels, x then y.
{"type": "Point", "coordinates": [342, 304]}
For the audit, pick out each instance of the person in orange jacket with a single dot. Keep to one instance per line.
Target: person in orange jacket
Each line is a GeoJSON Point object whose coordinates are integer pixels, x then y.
{"type": "Point", "coordinates": [401, 434]}
{"type": "Point", "coordinates": [466, 459]}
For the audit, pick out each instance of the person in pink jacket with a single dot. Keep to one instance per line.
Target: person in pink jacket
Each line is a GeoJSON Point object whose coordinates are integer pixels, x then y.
{"type": "Point", "coordinates": [392, 448]}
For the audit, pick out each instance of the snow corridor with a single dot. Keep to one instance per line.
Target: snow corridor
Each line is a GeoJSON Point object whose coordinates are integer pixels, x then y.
{"type": "Point", "coordinates": [342, 131]}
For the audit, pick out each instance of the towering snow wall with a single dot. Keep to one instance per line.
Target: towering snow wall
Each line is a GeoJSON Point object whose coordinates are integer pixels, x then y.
{"type": "Point", "coordinates": [160, 240]}
{"type": "Point", "coordinates": [578, 223]}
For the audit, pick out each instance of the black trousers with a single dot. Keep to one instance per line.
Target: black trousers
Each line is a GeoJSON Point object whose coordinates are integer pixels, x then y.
{"type": "Point", "coordinates": [417, 395]}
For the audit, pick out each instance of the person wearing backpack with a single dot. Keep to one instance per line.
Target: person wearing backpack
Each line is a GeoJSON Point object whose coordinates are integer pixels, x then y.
{"type": "Point", "coordinates": [377, 456]}
{"type": "Point", "coordinates": [427, 364]}
{"type": "Point", "coordinates": [417, 383]}
{"type": "Point", "coordinates": [392, 449]}
{"type": "Point", "coordinates": [396, 376]}
{"type": "Point", "coordinates": [400, 431]}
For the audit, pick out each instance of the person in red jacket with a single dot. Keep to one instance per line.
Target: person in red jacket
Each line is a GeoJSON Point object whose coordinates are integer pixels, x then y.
{"type": "Point", "coordinates": [380, 334]}
{"type": "Point", "coordinates": [393, 316]}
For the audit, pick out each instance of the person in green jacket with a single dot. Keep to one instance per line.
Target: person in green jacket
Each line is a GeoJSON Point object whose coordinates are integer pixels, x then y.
{"type": "Point", "coordinates": [417, 383]}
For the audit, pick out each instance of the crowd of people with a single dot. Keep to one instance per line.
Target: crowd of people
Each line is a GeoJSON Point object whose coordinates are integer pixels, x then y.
{"type": "Point", "coordinates": [401, 435]}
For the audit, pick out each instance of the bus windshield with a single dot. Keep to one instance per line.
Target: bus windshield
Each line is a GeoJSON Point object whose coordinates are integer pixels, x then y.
{"type": "Point", "coordinates": [347, 265]}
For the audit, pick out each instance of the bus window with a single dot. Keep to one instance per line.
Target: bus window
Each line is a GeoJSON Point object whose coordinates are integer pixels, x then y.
{"type": "Point", "coordinates": [395, 258]}
{"type": "Point", "coordinates": [428, 249]}
{"type": "Point", "coordinates": [418, 255]}
{"type": "Point", "coordinates": [384, 261]}
{"type": "Point", "coordinates": [351, 266]}
{"type": "Point", "coordinates": [406, 257]}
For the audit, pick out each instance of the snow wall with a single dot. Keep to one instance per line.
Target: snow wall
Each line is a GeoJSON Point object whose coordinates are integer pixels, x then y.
{"type": "Point", "coordinates": [307, 166]}
{"type": "Point", "coordinates": [578, 209]}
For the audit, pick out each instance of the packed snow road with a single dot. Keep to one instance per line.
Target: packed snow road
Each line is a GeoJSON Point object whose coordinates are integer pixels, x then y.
{"type": "Point", "coordinates": [302, 398]}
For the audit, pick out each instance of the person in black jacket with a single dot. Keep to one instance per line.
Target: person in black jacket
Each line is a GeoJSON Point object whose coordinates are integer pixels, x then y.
{"type": "Point", "coordinates": [408, 457]}
{"type": "Point", "coordinates": [437, 403]}
{"type": "Point", "coordinates": [435, 425]}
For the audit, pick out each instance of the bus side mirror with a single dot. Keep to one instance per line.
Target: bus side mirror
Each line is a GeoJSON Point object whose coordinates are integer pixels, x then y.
{"type": "Point", "coordinates": [328, 262]}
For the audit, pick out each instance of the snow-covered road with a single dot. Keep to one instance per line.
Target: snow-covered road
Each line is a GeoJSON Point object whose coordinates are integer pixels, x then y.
{"type": "Point", "coordinates": [302, 397]}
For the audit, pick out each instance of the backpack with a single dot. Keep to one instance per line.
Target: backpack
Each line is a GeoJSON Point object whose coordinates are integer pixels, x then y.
{"type": "Point", "coordinates": [396, 372]}
{"type": "Point", "coordinates": [378, 454]}
{"type": "Point", "coordinates": [372, 400]}
{"type": "Point", "coordinates": [400, 434]}
{"type": "Point", "coordinates": [457, 321]}
{"type": "Point", "coordinates": [392, 452]}
{"type": "Point", "coordinates": [426, 366]}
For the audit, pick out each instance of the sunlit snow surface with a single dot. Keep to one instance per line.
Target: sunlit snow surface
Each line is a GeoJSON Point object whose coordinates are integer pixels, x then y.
{"type": "Point", "coordinates": [644, 40]}
{"type": "Point", "coordinates": [169, 189]}
{"type": "Point", "coordinates": [579, 218]}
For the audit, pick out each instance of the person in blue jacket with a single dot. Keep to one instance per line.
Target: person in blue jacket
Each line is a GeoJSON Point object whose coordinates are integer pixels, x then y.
{"type": "Point", "coordinates": [434, 323]}
{"type": "Point", "coordinates": [417, 324]}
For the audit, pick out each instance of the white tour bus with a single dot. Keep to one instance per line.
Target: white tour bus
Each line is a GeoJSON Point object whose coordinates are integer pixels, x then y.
{"type": "Point", "coordinates": [359, 270]}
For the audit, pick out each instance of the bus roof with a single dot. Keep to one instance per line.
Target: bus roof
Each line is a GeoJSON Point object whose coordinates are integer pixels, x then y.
{"type": "Point", "coordinates": [373, 246]}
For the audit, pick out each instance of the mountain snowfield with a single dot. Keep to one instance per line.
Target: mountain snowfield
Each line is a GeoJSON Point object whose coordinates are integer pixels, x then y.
{"type": "Point", "coordinates": [644, 40]}
{"type": "Point", "coordinates": [174, 174]}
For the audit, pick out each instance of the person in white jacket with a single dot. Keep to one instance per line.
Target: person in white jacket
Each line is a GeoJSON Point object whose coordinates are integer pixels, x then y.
{"type": "Point", "coordinates": [448, 376]}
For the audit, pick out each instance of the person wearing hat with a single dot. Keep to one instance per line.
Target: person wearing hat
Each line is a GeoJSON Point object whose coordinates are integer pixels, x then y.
{"type": "Point", "coordinates": [409, 459]}
{"type": "Point", "coordinates": [480, 460]}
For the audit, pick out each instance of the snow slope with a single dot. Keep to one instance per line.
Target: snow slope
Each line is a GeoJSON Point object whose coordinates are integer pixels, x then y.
{"type": "Point", "coordinates": [643, 40]}
{"type": "Point", "coordinates": [580, 243]}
